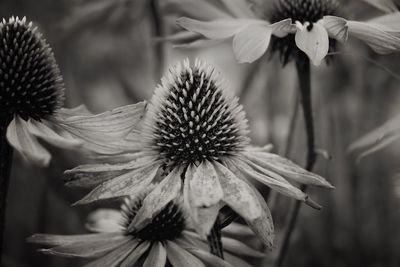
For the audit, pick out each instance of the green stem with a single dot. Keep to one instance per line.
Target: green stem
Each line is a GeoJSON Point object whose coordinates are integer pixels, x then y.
{"type": "Point", "coordinates": [304, 75]}
{"type": "Point", "coordinates": [214, 240]}
{"type": "Point", "coordinates": [6, 153]}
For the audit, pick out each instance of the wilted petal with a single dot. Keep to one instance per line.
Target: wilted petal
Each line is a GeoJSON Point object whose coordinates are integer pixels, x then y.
{"type": "Point", "coordinates": [375, 36]}
{"type": "Point", "coordinates": [314, 42]}
{"type": "Point", "coordinates": [336, 28]}
{"type": "Point", "coordinates": [166, 191]}
{"type": "Point", "coordinates": [238, 194]}
{"type": "Point", "coordinates": [157, 256]}
{"type": "Point", "coordinates": [21, 139]}
{"type": "Point", "coordinates": [105, 221]}
{"type": "Point", "coordinates": [239, 248]}
{"type": "Point", "coordinates": [180, 257]}
{"type": "Point", "coordinates": [384, 5]}
{"type": "Point", "coordinates": [127, 184]}
{"type": "Point", "coordinates": [287, 169]}
{"type": "Point", "coordinates": [135, 255]}
{"type": "Point", "coordinates": [216, 29]}
{"type": "Point", "coordinates": [208, 258]}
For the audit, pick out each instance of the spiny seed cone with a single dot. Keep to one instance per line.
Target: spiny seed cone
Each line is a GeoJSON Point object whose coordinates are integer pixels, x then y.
{"type": "Point", "coordinates": [193, 117]}
{"type": "Point", "coordinates": [303, 11]}
{"type": "Point", "coordinates": [168, 224]}
{"type": "Point", "coordinates": [30, 82]}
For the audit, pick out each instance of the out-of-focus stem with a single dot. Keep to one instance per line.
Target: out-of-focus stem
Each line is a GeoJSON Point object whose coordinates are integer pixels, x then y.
{"type": "Point", "coordinates": [304, 75]}
{"type": "Point", "coordinates": [159, 33]}
{"type": "Point", "coordinates": [6, 153]}
{"type": "Point", "coordinates": [214, 240]}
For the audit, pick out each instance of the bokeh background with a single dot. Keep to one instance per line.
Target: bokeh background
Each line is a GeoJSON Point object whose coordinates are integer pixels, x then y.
{"type": "Point", "coordinates": [108, 54]}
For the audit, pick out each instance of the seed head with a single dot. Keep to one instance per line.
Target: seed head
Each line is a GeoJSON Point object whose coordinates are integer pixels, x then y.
{"type": "Point", "coordinates": [166, 225]}
{"type": "Point", "coordinates": [193, 117]}
{"type": "Point", "coordinates": [30, 82]}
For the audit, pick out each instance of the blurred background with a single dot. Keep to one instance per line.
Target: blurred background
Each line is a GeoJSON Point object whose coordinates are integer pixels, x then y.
{"type": "Point", "coordinates": [108, 56]}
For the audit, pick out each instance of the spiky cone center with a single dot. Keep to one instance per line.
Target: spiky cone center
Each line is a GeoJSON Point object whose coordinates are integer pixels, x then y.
{"type": "Point", "coordinates": [30, 82]}
{"type": "Point", "coordinates": [307, 12]}
{"type": "Point", "coordinates": [166, 225]}
{"type": "Point", "coordinates": [193, 117]}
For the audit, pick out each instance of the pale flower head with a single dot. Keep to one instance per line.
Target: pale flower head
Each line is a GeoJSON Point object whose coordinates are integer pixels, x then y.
{"type": "Point", "coordinates": [32, 95]}
{"type": "Point", "coordinates": [289, 26]}
{"type": "Point", "coordinates": [194, 144]}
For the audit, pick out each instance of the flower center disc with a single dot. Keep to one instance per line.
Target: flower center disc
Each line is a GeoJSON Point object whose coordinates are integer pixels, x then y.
{"type": "Point", "coordinates": [30, 83]}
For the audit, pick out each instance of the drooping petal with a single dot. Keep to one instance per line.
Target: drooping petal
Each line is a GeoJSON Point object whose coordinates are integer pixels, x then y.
{"type": "Point", "coordinates": [208, 258]}
{"type": "Point", "coordinates": [127, 184]}
{"type": "Point", "coordinates": [239, 8]}
{"type": "Point", "coordinates": [88, 249]}
{"type": "Point", "coordinates": [375, 35]}
{"type": "Point", "coordinates": [204, 219]}
{"type": "Point", "coordinates": [166, 191]}
{"type": "Point", "coordinates": [314, 42]}
{"type": "Point", "coordinates": [216, 29]}
{"type": "Point", "coordinates": [104, 221]}
{"type": "Point", "coordinates": [286, 168]}
{"type": "Point", "coordinates": [238, 194]}
{"type": "Point", "coordinates": [115, 257]}
{"type": "Point", "coordinates": [157, 256]}
{"type": "Point", "coordinates": [239, 248]}
{"type": "Point", "coordinates": [336, 28]}
{"type": "Point", "coordinates": [39, 129]}
{"type": "Point", "coordinates": [237, 229]}
{"type": "Point", "coordinates": [21, 139]}
{"type": "Point", "coordinates": [135, 255]}
{"type": "Point", "coordinates": [58, 240]}
{"type": "Point", "coordinates": [236, 261]}
{"type": "Point", "coordinates": [252, 41]}
{"type": "Point", "coordinates": [180, 257]}
{"type": "Point", "coordinates": [384, 5]}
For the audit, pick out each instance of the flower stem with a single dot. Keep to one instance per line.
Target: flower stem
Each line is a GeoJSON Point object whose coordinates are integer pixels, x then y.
{"type": "Point", "coordinates": [6, 152]}
{"type": "Point", "coordinates": [304, 75]}
{"type": "Point", "coordinates": [214, 239]}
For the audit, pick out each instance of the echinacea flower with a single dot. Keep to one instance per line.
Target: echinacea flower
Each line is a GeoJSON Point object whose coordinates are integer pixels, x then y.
{"type": "Point", "coordinates": [194, 133]}
{"type": "Point", "coordinates": [166, 238]}
{"type": "Point", "coordinates": [290, 26]}
{"type": "Point", "coordinates": [31, 97]}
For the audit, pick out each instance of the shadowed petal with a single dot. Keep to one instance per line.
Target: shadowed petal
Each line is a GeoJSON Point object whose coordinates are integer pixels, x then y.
{"type": "Point", "coordinates": [384, 5]}
{"type": "Point", "coordinates": [375, 35]}
{"type": "Point", "coordinates": [336, 28]}
{"type": "Point", "coordinates": [166, 191]}
{"type": "Point", "coordinates": [239, 248]}
{"type": "Point", "coordinates": [238, 194]}
{"type": "Point", "coordinates": [314, 42]}
{"type": "Point", "coordinates": [180, 257]}
{"type": "Point", "coordinates": [392, 21]}
{"type": "Point", "coordinates": [57, 240]}
{"type": "Point", "coordinates": [104, 221]}
{"type": "Point", "coordinates": [286, 168]}
{"type": "Point", "coordinates": [208, 258]}
{"type": "Point", "coordinates": [134, 256]}
{"type": "Point", "coordinates": [238, 229]}
{"type": "Point", "coordinates": [157, 256]}
{"type": "Point", "coordinates": [21, 139]}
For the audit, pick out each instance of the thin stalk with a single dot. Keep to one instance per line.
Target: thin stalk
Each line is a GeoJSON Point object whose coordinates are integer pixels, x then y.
{"type": "Point", "coordinates": [214, 239]}
{"type": "Point", "coordinates": [6, 153]}
{"type": "Point", "coordinates": [304, 75]}
{"type": "Point", "coordinates": [159, 33]}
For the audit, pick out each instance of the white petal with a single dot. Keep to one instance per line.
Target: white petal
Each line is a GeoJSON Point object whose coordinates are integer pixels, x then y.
{"type": "Point", "coordinates": [238, 194]}
{"type": "Point", "coordinates": [180, 257]}
{"type": "Point", "coordinates": [39, 129]}
{"type": "Point", "coordinates": [135, 255]}
{"type": "Point", "coordinates": [375, 36]}
{"type": "Point", "coordinates": [336, 28]}
{"type": "Point", "coordinates": [166, 191]}
{"type": "Point", "coordinates": [21, 139]}
{"type": "Point", "coordinates": [216, 29]}
{"type": "Point", "coordinates": [314, 42]}
{"type": "Point", "coordinates": [384, 5]}
{"type": "Point", "coordinates": [59, 240]}
{"type": "Point", "coordinates": [204, 185]}
{"type": "Point", "coordinates": [204, 219]}
{"type": "Point", "coordinates": [157, 256]}
{"type": "Point", "coordinates": [104, 221]}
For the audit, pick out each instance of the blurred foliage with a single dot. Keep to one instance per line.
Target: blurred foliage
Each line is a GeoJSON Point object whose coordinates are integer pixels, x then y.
{"type": "Point", "coordinates": [108, 56]}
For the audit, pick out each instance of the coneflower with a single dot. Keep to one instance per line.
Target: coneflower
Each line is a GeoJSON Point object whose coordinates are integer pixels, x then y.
{"type": "Point", "coordinates": [165, 239]}
{"type": "Point", "coordinates": [194, 132]}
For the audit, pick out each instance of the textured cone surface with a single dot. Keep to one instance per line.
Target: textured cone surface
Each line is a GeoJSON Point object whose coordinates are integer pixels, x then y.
{"type": "Point", "coordinates": [195, 120]}
{"type": "Point", "coordinates": [30, 81]}
{"type": "Point", "coordinates": [166, 225]}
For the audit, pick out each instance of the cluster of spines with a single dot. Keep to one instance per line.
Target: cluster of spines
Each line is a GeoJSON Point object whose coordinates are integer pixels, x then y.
{"type": "Point", "coordinates": [30, 82]}
{"type": "Point", "coordinates": [168, 224]}
{"type": "Point", "coordinates": [196, 118]}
